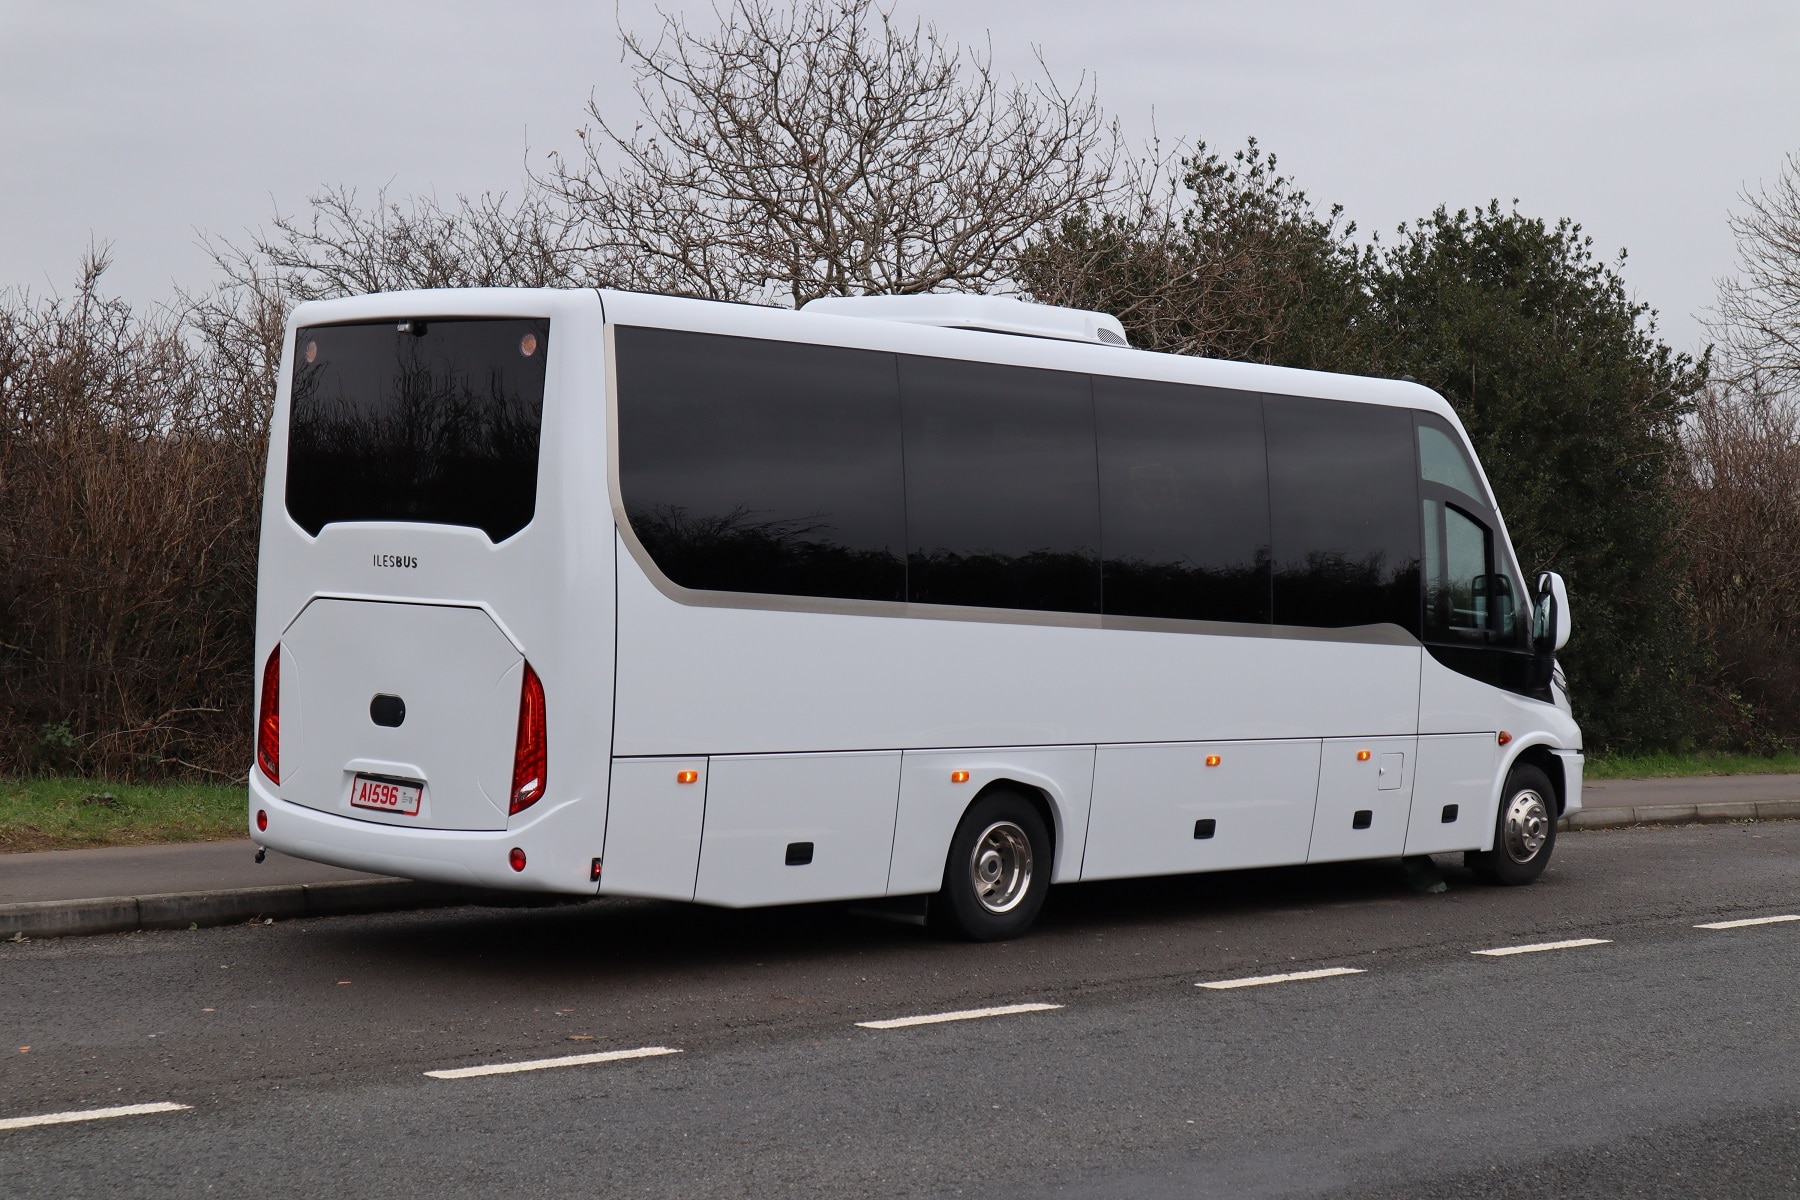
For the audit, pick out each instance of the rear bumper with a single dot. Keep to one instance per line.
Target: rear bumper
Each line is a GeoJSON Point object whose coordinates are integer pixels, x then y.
{"type": "Point", "coordinates": [559, 844]}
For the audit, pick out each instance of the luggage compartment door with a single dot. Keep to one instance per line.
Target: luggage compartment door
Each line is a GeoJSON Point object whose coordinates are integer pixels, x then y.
{"type": "Point", "coordinates": [1200, 806]}
{"type": "Point", "coordinates": [1365, 798]}
{"type": "Point", "coordinates": [1453, 796]}
{"type": "Point", "coordinates": [790, 828]}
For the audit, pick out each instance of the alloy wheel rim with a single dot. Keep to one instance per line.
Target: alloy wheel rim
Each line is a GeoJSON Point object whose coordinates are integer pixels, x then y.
{"type": "Point", "coordinates": [1527, 826]}
{"type": "Point", "coordinates": [1000, 867]}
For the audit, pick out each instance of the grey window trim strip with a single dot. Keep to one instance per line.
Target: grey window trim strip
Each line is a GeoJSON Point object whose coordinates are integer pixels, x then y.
{"type": "Point", "coordinates": [1385, 634]}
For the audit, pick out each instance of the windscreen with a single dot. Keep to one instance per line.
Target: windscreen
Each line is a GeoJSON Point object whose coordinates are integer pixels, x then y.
{"type": "Point", "coordinates": [432, 421]}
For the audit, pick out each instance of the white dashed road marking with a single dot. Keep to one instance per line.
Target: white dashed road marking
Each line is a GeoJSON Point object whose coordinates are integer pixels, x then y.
{"type": "Point", "coordinates": [1747, 921]}
{"type": "Point", "coordinates": [1572, 943]}
{"type": "Point", "coordinates": [968, 1014]}
{"type": "Point", "coordinates": [1290, 977]}
{"type": "Point", "coordinates": [91, 1114]}
{"type": "Point", "coordinates": [544, 1064]}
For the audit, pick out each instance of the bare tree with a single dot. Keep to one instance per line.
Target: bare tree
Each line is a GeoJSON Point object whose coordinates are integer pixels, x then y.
{"type": "Point", "coordinates": [824, 149]}
{"type": "Point", "coordinates": [341, 248]}
{"type": "Point", "coordinates": [1758, 313]}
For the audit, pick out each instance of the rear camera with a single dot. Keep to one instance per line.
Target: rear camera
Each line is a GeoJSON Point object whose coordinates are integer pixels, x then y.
{"type": "Point", "coordinates": [516, 857]}
{"type": "Point", "coordinates": [262, 820]}
{"type": "Point", "coordinates": [528, 345]}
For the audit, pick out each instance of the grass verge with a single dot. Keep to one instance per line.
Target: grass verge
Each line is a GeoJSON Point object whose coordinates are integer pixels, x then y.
{"type": "Point", "coordinates": [1671, 766]}
{"type": "Point", "coordinates": [66, 814]}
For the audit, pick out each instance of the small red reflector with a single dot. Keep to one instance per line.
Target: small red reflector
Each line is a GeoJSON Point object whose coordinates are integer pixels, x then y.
{"type": "Point", "coordinates": [1505, 737]}
{"type": "Point", "coordinates": [1212, 760]}
{"type": "Point", "coordinates": [530, 753]}
{"type": "Point", "coordinates": [268, 718]}
{"type": "Point", "coordinates": [687, 777]}
{"type": "Point", "coordinates": [516, 857]}
{"type": "Point", "coordinates": [594, 873]}
{"type": "Point", "coordinates": [959, 777]}
{"type": "Point", "coordinates": [262, 820]}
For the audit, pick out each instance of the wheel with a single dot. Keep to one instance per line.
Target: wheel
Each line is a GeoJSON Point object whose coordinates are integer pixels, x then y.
{"type": "Point", "coordinates": [1524, 830]}
{"type": "Point", "coordinates": [998, 871]}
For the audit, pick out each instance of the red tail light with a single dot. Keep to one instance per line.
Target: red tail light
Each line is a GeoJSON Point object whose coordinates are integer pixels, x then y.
{"type": "Point", "coordinates": [268, 719]}
{"type": "Point", "coordinates": [530, 755]}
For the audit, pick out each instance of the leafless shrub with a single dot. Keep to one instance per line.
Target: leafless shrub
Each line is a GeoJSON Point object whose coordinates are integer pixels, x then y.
{"type": "Point", "coordinates": [1741, 502]}
{"type": "Point", "coordinates": [823, 149]}
{"type": "Point", "coordinates": [127, 553]}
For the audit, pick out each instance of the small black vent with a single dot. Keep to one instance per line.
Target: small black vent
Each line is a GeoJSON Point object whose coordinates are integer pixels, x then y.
{"type": "Point", "coordinates": [387, 710]}
{"type": "Point", "coordinates": [1363, 819]}
{"type": "Point", "coordinates": [1449, 817]}
{"type": "Point", "coordinates": [799, 854]}
{"type": "Point", "coordinates": [1203, 829]}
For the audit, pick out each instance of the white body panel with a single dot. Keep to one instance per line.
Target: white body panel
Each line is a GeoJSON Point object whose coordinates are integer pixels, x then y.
{"type": "Point", "coordinates": [1454, 770]}
{"type": "Point", "coordinates": [1149, 802]}
{"type": "Point", "coordinates": [1363, 803]}
{"type": "Point", "coordinates": [460, 709]}
{"type": "Point", "coordinates": [931, 804]}
{"type": "Point", "coordinates": [744, 680]}
{"type": "Point", "coordinates": [653, 825]}
{"type": "Point", "coordinates": [826, 722]}
{"type": "Point", "coordinates": [840, 807]}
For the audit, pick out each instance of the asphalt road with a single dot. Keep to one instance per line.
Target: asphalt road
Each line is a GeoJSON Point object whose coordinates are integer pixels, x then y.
{"type": "Point", "coordinates": [1662, 1062]}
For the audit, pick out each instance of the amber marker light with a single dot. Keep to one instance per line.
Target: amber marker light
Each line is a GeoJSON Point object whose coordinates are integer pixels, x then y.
{"type": "Point", "coordinates": [959, 777]}
{"type": "Point", "coordinates": [1212, 760]}
{"type": "Point", "coordinates": [1362, 756]}
{"type": "Point", "coordinates": [687, 777]}
{"type": "Point", "coordinates": [1505, 737]}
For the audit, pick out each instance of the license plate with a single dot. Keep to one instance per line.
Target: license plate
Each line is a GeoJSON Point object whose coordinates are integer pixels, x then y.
{"type": "Point", "coordinates": [386, 795]}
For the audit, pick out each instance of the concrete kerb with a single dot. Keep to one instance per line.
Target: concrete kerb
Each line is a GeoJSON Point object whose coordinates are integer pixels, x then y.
{"type": "Point", "coordinates": [182, 910]}
{"type": "Point", "coordinates": [1681, 814]}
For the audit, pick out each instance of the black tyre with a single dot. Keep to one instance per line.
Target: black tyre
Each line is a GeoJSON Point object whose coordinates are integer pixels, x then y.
{"type": "Point", "coordinates": [998, 871]}
{"type": "Point", "coordinates": [1524, 830]}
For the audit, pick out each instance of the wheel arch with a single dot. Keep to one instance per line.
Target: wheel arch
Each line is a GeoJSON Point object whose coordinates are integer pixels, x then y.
{"type": "Point", "coordinates": [1541, 755]}
{"type": "Point", "coordinates": [1039, 798]}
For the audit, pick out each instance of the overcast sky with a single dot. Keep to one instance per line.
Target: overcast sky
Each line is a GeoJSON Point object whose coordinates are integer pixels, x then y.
{"type": "Point", "coordinates": [148, 123]}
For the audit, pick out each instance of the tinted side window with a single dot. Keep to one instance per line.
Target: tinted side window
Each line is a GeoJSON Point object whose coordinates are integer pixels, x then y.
{"type": "Point", "coordinates": [1471, 594]}
{"type": "Point", "coordinates": [1002, 499]}
{"type": "Point", "coordinates": [1184, 501]}
{"type": "Point", "coordinates": [757, 466]}
{"type": "Point", "coordinates": [1344, 511]}
{"type": "Point", "coordinates": [1441, 460]}
{"type": "Point", "coordinates": [1465, 600]}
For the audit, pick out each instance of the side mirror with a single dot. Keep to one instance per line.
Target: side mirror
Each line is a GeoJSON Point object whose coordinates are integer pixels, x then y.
{"type": "Point", "coordinates": [1550, 624]}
